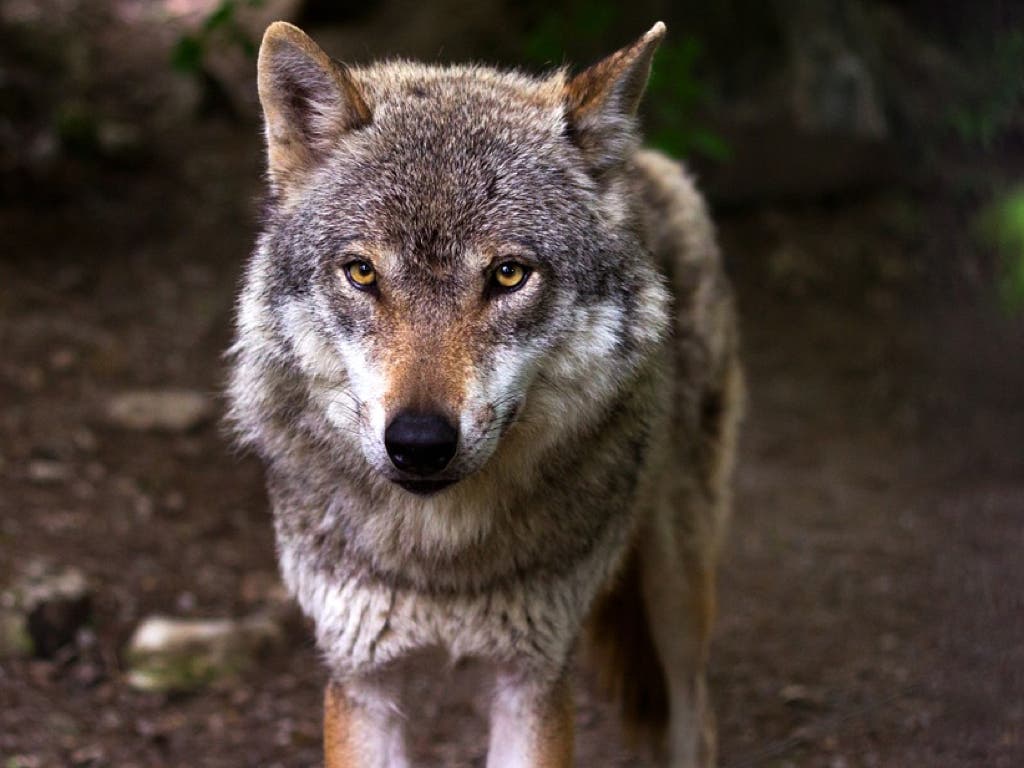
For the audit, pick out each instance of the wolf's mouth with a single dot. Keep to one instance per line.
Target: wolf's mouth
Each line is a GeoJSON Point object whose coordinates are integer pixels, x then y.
{"type": "Point", "coordinates": [424, 487]}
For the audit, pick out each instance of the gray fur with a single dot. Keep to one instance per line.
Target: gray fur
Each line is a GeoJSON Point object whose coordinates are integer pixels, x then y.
{"type": "Point", "coordinates": [588, 402]}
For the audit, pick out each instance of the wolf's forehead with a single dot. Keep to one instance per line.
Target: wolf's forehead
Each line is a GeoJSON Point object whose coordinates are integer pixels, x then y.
{"type": "Point", "coordinates": [464, 118]}
{"type": "Point", "coordinates": [451, 160]}
{"type": "Point", "coordinates": [465, 128]}
{"type": "Point", "coordinates": [481, 92]}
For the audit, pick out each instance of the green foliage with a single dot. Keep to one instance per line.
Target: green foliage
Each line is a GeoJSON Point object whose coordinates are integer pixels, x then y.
{"type": "Point", "coordinates": [993, 98]}
{"type": "Point", "coordinates": [675, 94]}
{"type": "Point", "coordinates": [674, 97]}
{"type": "Point", "coordinates": [1001, 225]}
{"type": "Point", "coordinates": [587, 24]}
{"type": "Point", "coordinates": [220, 26]}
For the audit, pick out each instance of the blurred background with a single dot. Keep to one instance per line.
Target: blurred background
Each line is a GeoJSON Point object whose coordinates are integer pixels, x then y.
{"type": "Point", "coordinates": [864, 161]}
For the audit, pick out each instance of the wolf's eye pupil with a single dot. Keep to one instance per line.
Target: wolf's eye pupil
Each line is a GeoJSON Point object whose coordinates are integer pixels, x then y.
{"type": "Point", "coordinates": [511, 275]}
{"type": "Point", "coordinates": [361, 274]}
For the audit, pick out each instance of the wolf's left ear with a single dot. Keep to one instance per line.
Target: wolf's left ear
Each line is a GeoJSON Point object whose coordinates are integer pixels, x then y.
{"type": "Point", "coordinates": [309, 101]}
{"type": "Point", "coordinates": [602, 100]}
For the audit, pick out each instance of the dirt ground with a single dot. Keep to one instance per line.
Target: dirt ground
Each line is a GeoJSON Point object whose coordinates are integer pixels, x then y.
{"type": "Point", "coordinates": [873, 586]}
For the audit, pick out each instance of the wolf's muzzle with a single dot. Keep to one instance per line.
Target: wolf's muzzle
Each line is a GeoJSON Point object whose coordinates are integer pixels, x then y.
{"type": "Point", "coordinates": [421, 443]}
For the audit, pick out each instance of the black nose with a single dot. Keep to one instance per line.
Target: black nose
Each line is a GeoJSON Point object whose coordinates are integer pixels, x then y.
{"type": "Point", "coordinates": [421, 443]}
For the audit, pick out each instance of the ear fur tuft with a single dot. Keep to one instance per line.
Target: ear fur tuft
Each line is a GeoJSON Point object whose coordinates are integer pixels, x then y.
{"type": "Point", "coordinates": [601, 102]}
{"type": "Point", "coordinates": [309, 100]}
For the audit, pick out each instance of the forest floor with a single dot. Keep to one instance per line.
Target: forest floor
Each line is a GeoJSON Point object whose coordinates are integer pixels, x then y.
{"type": "Point", "coordinates": [872, 591]}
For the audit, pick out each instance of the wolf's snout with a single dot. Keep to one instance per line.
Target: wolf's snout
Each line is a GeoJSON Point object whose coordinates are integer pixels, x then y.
{"type": "Point", "coordinates": [421, 443]}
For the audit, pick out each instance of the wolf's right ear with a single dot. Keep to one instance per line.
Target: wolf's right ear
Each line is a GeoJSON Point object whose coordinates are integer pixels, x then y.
{"type": "Point", "coordinates": [601, 102]}
{"type": "Point", "coordinates": [309, 101]}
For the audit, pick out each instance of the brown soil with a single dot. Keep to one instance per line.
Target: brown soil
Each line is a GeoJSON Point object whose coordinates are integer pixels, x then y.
{"type": "Point", "coordinates": [871, 594]}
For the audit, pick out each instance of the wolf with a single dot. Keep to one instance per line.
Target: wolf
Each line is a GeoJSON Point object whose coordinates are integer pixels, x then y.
{"type": "Point", "coordinates": [487, 351]}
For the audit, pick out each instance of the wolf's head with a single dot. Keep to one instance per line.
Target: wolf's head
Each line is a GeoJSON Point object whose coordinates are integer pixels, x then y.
{"type": "Point", "coordinates": [450, 250]}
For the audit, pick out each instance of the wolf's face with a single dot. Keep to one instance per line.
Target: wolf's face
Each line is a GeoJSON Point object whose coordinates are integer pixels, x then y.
{"type": "Point", "coordinates": [446, 254]}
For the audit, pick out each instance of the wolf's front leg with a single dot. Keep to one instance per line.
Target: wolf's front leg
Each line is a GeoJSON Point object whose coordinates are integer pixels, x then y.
{"type": "Point", "coordinates": [363, 728]}
{"type": "Point", "coordinates": [531, 724]}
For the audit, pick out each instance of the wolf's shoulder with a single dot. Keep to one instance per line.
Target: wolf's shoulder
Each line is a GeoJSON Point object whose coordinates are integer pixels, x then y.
{"type": "Point", "coordinates": [678, 231]}
{"type": "Point", "coordinates": [676, 223]}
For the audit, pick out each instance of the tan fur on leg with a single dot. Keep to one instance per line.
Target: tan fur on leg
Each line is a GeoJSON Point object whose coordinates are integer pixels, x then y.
{"type": "Point", "coordinates": [555, 740]}
{"type": "Point", "coordinates": [339, 751]}
{"type": "Point", "coordinates": [531, 727]}
{"type": "Point", "coordinates": [363, 727]}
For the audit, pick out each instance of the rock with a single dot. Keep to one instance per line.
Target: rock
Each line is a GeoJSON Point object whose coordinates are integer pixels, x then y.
{"type": "Point", "coordinates": [169, 654]}
{"type": "Point", "coordinates": [45, 471]}
{"type": "Point", "coordinates": [14, 637]}
{"type": "Point", "coordinates": [43, 611]}
{"type": "Point", "coordinates": [800, 696]}
{"type": "Point", "coordinates": [167, 410]}
{"type": "Point", "coordinates": [174, 501]}
{"type": "Point", "coordinates": [84, 440]}
{"type": "Point", "coordinates": [24, 761]}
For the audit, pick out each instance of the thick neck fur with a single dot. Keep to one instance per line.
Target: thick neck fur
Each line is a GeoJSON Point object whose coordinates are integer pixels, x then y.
{"type": "Point", "coordinates": [487, 528]}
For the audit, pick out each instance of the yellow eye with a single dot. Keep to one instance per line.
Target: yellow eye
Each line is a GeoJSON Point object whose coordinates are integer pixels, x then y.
{"type": "Point", "coordinates": [509, 275]}
{"type": "Point", "coordinates": [361, 274]}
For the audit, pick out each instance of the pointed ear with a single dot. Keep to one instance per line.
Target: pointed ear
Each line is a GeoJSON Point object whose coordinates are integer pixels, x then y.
{"type": "Point", "coordinates": [602, 100]}
{"type": "Point", "coordinates": [309, 101]}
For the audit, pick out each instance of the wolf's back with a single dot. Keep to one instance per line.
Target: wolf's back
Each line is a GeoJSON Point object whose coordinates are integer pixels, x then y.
{"type": "Point", "coordinates": [709, 390]}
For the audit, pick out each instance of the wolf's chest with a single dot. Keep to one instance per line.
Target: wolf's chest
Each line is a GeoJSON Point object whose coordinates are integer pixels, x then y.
{"type": "Point", "coordinates": [363, 624]}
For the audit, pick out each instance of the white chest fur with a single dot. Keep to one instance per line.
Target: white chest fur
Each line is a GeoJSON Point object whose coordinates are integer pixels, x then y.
{"type": "Point", "coordinates": [363, 624]}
